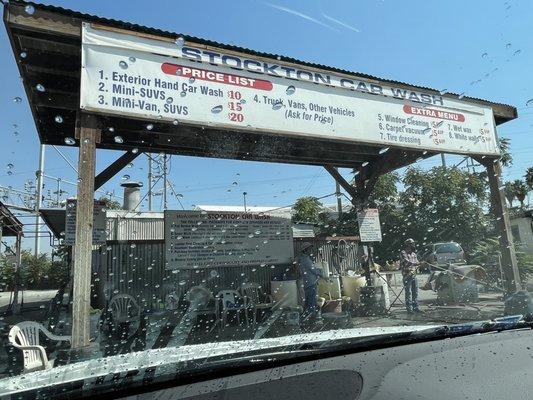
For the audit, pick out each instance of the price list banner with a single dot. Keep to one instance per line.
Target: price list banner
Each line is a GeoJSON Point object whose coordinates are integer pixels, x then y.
{"type": "Point", "coordinates": [178, 82]}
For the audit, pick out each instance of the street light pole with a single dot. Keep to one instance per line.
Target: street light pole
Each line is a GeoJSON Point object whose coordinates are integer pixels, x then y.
{"type": "Point", "coordinates": [38, 195]}
{"type": "Point", "coordinates": [244, 197]}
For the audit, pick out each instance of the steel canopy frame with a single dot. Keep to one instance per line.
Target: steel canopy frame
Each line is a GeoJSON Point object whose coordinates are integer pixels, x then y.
{"type": "Point", "coordinates": [47, 47]}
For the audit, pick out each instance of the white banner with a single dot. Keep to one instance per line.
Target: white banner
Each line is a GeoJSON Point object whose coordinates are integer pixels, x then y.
{"type": "Point", "coordinates": [369, 226]}
{"type": "Point", "coordinates": [130, 75]}
{"type": "Point", "coordinates": [199, 239]}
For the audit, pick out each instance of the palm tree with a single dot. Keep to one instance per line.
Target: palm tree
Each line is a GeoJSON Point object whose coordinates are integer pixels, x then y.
{"type": "Point", "coordinates": [510, 193]}
{"type": "Point", "coordinates": [506, 159]}
{"type": "Point", "coordinates": [529, 178]}
{"type": "Point", "coordinates": [520, 189]}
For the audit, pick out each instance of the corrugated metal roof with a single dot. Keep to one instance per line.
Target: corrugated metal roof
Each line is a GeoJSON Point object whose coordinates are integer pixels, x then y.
{"type": "Point", "coordinates": [207, 42]}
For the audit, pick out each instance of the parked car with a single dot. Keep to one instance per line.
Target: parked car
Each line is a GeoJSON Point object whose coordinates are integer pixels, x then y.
{"type": "Point", "coordinates": [442, 254]}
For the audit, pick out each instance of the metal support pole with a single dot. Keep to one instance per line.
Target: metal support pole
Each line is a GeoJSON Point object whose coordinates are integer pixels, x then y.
{"type": "Point", "coordinates": [89, 134]}
{"type": "Point", "coordinates": [503, 224]}
{"type": "Point", "coordinates": [338, 195]}
{"type": "Point", "coordinates": [58, 195]}
{"type": "Point", "coordinates": [150, 183]}
{"type": "Point", "coordinates": [38, 196]}
{"type": "Point", "coordinates": [165, 181]}
{"type": "Point", "coordinates": [443, 159]}
{"type": "Point", "coordinates": [16, 288]}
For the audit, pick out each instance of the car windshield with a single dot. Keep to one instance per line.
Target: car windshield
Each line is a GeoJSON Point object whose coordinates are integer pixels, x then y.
{"type": "Point", "coordinates": [196, 183]}
{"type": "Point", "coordinates": [447, 248]}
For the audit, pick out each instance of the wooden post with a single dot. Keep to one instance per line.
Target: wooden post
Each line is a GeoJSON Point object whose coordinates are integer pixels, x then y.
{"type": "Point", "coordinates": [89, 135]}
{"type": "Point", "coordinates": [16, 288]}
{"type": "Point", "coordinates": [503, 224]}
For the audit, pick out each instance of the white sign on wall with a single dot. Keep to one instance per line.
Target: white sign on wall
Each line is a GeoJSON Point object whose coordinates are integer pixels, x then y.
{"type": "Point", "coordinates": [197, 239]}
{"type": "Point", "coordinates": [369, 226]}
{"type": "Point", "coordinates": [99, 223]}
{"type": "Point", "coordinates": [154, 79]}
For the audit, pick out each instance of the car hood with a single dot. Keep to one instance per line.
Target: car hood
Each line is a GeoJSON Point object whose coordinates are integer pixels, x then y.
{"type": "Point", "coordinates": [165, 359]}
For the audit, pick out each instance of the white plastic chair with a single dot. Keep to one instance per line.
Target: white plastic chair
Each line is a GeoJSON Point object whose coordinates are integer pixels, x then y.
{"type": "Point", "coordinates": [124, 309]}
{"type": "Point", "coordinates": [230, 300]}
{"type": "Point", "coordinates": [25, 336]}
{"type": "Point", "coordinates": [255, 298]}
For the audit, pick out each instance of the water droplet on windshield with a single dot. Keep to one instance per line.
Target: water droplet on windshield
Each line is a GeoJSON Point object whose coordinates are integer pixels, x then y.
{"type": "Point", "coordinates": [118, 139]}
{"type": "Point", "coordinates": [427, 130]}
{"type": "Point", "coordinates": [17, 99]}
{"type": "Point", "coordinates": [123, 64]}
{"type": "Point", "coordinates": [517, 52]}
{"type": "Point", "coordinates": [9, 173]}
{"type": "Point", "coordinates": [10, 166]}
{"type": "Point", "coordinates": [242, 101]}
{"type": "Point", "coordinates": [169, 100]}
{"type": "Point", "coordinates": [384, 150]}
{"type": "Point", "coordinates": [180, 41]}
{"type": "Point", "coordinates": [130, 165]}
{"type": "Point", "coordinates": [235, 183]}
{"type": "Point", "coordinates": [508, 45]}
{"type": "Point", "coordinates": [29, 9]}
{"type": "Point", "coordinates": [461, 95]}
{"type": "Point", "coordinates": [484, 55]}
{"type": "Point", "coordinates": [529, 103]}
{"type": "Point", "coordinates": [364, 164]}
{"type": "Point", "coordinates": [443, 91]}
{"type": "Point", "coordinates": [70, 141]}
{"type": "Point", "coordinates": [135, 150]}
{"type": "Point", "coordinates": [40, 87]}
{"type": "Point", "coordinates": [277, 105]}
{"type": "Point", "coordinates": [58, 119]}
{"type": "Point", "coordinates": [183, 94]}
{"type": "Point", "coordinates": [430, 229]}
{"type": "Point", "coordinates": [150, 127]}
{"type": "Point", "coordinates": [290, 90]}
{"type": "Point", "coordinates": [132, 59]}
{"type": "Point", "coordinates": [175, 122]}
{"type": "Point", "coordinates": [125, 177]}
{"type": "Point", "coordinates": [23, 54]}
{"type": "Point", "coordinates": [217, 109]}
{"type": "Point", "coordinates": [191, 79]}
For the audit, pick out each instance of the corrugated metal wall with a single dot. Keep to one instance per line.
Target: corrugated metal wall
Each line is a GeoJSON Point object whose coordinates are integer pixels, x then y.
{"type": "Point", "coordinates": [138, 269]}
{"type": "Point", "coordinates": [146, 228]}
{"type": "Point", "coordinates": [329, 251]}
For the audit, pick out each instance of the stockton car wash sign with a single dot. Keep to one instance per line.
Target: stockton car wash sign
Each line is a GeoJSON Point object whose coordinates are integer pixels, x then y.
{"type": "Point", "coordinates": [199, 239]}
{"type": "Point", "coordinates": [179, 82]}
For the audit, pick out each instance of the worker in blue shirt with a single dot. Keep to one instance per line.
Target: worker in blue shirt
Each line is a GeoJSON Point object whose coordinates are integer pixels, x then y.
{"type": "Point", "coordinates": [310, 275]}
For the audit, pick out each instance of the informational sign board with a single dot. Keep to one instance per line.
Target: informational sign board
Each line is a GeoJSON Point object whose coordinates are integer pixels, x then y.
{"type": "Point", "coordinates": [99, 223]}
{"type": "Point", "coordinates": [369, 227]}
{"type": "Point", "coordinates": [141, 77]}
{"type": "Point", "coordinates": [199, 239]}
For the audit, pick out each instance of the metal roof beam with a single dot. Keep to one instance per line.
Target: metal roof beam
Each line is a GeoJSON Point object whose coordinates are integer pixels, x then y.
{"type": "Point", "coordinates": [114, 168]}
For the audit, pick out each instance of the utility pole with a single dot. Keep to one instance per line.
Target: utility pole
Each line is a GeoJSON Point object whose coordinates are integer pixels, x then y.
{"type": "Point", "coordinates": [150, 178]}
{"type": "Point", "coordinates": [244, 197]}
{"type": "Point", "coordinates": [339, 199]}
{"type": "Point", "coordinates": [165, 181]}
{"type": "Point", "coordinates": [38, 195]}
{"type": "Point", "coordinates": [443, 160]}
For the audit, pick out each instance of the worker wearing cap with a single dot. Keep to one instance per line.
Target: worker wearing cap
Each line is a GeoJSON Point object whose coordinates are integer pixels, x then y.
{"type": "Point", "coordinates": [310, 276]}
{"type": "Point", "coordinates": [408, 264]}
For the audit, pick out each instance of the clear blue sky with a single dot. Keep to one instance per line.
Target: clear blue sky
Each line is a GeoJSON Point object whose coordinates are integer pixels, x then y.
{"type": "Point", "coordinates": [428, 43]}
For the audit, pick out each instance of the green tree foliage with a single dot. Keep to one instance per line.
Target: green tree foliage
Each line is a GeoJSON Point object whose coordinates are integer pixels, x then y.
{"type": "Point", "coordinates": [529, 178]}
{"type": "Point", "coordinates": [506, 159]}
{"type": "Point", "coordinates": [510, 193]}
{"type": "Point", "coordinates": [520, 190]}
{"type": "Point", "coordinates": [485, 250]}
{"type": "Point", "coordinates": [307, 210]}
{"type": "Point", "coordinates": [110, 204]}
{"type": "Point", "coordinates": [442, 204]}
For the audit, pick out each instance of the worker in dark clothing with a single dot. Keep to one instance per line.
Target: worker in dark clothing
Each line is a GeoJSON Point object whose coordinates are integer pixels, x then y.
{"type": "Point", "coordinates": [409, 264]}
{"type": "Point", "coordinates": [310, 276]}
